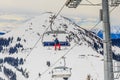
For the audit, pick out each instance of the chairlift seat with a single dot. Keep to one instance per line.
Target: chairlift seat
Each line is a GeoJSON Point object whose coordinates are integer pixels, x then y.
{"type": "Point", "coordinates": [49, 35]}
{"type": "Point", "coordinates": [50, 43]}
{"type": "Point", "coordinates": [61, 72]}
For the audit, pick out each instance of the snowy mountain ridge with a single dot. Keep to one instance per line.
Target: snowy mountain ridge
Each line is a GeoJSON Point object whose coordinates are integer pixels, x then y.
{"type": "Point", "coordinates": [34, 31]}
{"type": "Point", "coordinates": [115, 32]}
{"type": "Point", "coordinates": [23, 56]}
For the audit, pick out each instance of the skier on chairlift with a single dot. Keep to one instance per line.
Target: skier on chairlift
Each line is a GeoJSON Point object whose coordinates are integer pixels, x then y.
{"type": "Point", "coordinates": [57, 44]}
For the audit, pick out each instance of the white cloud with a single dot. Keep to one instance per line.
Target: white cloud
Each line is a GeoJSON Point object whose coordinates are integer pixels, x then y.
{"type": "Point", "coordinates": [89, 13]}
{"type": "Point", "coordinates": [12, 17]}
{"type": "Point", "coordinates": [49, 5]}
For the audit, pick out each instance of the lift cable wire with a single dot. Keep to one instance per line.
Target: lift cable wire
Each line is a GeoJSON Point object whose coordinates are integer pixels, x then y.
{"type": "Point", "coordinates": [33, 48]}
{"type": "Point", "coordinates": [95, 25]}
{"type": "Point", "coordinates": [90, 30]}
{"type": "Point", "coordinates": [40, 38]}
{"type": "Point", "coordinates": [92, 4]}
{"type": "Point", "coordinates": [100, 21]}
{"type": "Point", "coordinates": [51, 22]}
{"type": "Point", "coordinates": [60, 10]}
{"type": "Point", "coordinates": [113, 9]}
{"type": "Point", "coordinates": [71, 47]}
{"type": "Point", "coordinates": [44, 32]}
{"type": "Point", "coordinates": [92, 66]}
{"type": "Point", "coordinates": [55, 16]}
{"type": "Point", "coordinates": [42, 35]}
{"type": "Point", "coordinates": [30, 51]}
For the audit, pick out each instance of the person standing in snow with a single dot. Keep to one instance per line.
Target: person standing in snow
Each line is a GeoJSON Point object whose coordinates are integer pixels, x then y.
{"type": "Point", "coordinates": [57, 43]}
{"type": "Point", "coordinates": [88, 77]}
{"type": "Point", "coordinates": [39, 75]}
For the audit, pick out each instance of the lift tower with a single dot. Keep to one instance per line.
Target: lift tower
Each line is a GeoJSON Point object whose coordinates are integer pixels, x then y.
{"type": "Point", "coordinates": [108, 64]}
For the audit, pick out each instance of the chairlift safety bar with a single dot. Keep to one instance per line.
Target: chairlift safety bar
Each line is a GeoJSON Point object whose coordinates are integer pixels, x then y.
{"type": "Point", "coordinates": [55, 32]}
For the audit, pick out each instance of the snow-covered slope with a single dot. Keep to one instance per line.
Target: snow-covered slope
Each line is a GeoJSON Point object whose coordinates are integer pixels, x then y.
{"type": "Point", "coordinates": [23, 56]}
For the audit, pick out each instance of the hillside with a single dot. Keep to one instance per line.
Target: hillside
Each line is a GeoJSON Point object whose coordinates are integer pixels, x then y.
{"type": "Point", "coordinates": [23, 56]}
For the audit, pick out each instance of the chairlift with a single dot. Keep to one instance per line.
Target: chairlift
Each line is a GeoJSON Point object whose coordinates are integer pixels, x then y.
{"type": "Point", "coordinates": [49, 36]}
{"type": "Point", "coordinates": [72, 3]}
{"type": "Point", "coordinates": [61, 72]}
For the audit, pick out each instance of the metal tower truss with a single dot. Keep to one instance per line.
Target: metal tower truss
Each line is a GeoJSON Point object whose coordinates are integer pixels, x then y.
{"type": "Point", "coordinates": [116, 70]}
{"type": "Point", "coordinates": [115, 2]}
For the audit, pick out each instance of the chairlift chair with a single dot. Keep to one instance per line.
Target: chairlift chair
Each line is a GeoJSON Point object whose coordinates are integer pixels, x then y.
{"type": "Point", "coordinates": [72, 3]}
{"type": "Point", "coordinates": [61, 72]}
{"type": "Point", "coordinates": [49, 36]}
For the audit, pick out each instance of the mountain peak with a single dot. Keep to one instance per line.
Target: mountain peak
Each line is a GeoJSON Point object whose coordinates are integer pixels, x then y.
{"type": "Point", "coordinates": [28, 56]}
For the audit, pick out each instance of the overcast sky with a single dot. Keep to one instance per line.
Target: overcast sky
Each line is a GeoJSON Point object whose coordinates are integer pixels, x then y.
{"type": "Point", "coordinates": [81, 14]}
{"type": "Point", "coordinates": [44, 5]}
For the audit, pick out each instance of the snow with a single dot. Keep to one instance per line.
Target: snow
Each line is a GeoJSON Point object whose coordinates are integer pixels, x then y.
{"type": "Point", "coordinates": [80, 56]}
{"type": "Point", "coordinates": [80, 66]}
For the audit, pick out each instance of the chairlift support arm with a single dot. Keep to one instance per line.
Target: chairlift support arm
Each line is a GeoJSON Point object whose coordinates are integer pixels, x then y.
{"type": "Point", "coordinates": [73, 3]}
